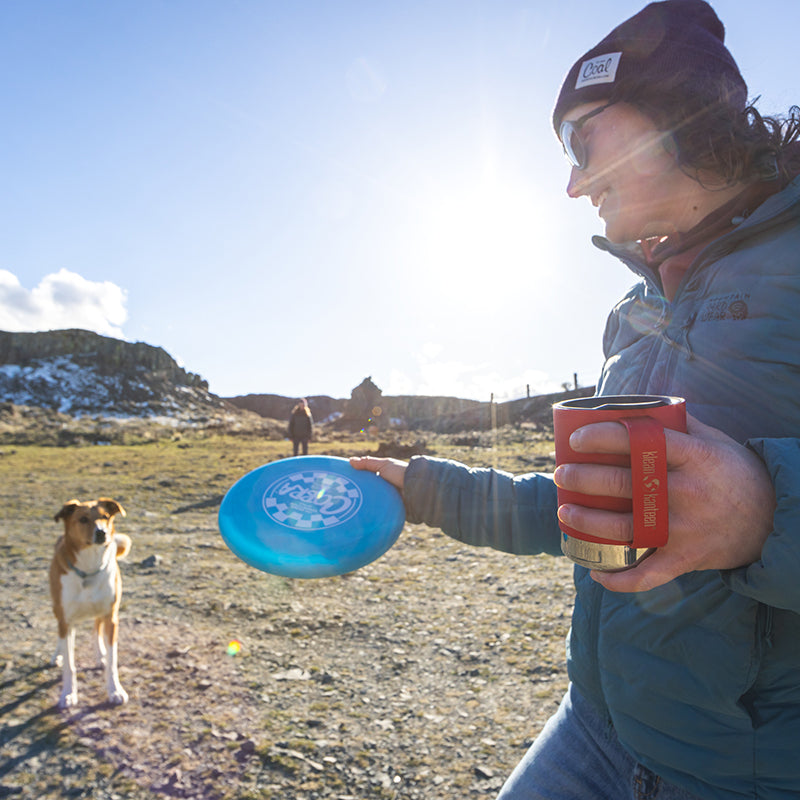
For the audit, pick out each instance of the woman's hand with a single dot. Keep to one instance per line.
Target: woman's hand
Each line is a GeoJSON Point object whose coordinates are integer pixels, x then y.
{"type": "Point", "coordinates": [390, 469]}
{"type": "Point", "coordinates": [721, 502]}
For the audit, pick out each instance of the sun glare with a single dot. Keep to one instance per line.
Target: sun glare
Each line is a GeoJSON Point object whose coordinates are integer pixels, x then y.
{"type": "Point", "coordinates": [481, 240]}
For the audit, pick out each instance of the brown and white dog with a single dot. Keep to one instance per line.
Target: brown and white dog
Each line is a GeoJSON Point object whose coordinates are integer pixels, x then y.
{"type": "Point", "coordinates": [85, 583]}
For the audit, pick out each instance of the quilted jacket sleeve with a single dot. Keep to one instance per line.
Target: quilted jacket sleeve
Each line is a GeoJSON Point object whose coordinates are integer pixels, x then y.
{"type": "Point", "coordinates": [775, 578]}
{"type": "Point", "coordinates": [484, 507]}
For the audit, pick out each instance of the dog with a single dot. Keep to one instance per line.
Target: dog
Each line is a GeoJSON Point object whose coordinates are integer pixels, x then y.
{"type": "Point", "coordinates": [85, 583]}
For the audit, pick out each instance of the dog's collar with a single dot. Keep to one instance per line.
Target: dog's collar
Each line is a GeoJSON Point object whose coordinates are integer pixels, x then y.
{"type": "Point", "coordinates": [84, 576]}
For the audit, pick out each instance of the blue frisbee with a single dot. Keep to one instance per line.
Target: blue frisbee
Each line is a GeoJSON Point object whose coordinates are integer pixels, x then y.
{"type": "Point", "coordinates": [310, 517]}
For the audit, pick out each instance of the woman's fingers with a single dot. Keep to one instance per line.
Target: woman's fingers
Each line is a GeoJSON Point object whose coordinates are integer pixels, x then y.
{"type": "Point", "coordinates": [595, 479]}
{"type": "Point", "coordinates": [611, 525]}
{"type": "Point", "coordinates": [661, 567]}
{"type": "Point", "coordinates": [391, 470]}
{"type": "Point", "coordinates": [601, 437]}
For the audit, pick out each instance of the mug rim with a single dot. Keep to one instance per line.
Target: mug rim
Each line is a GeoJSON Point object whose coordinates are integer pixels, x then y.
{"type": "Point", "coordinates": [619, 402]}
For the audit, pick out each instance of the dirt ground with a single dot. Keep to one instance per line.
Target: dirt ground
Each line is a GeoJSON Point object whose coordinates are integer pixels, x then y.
{"type": "Point", "coordinates": [425, 674]}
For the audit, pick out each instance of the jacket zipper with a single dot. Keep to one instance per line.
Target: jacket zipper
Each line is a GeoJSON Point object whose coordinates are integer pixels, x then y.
{"type": "Point", "coordinates": [767, 620]}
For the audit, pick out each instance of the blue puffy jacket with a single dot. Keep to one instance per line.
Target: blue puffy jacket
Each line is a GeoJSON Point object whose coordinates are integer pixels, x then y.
{"type": "Point", "coordinates": [701, 677]}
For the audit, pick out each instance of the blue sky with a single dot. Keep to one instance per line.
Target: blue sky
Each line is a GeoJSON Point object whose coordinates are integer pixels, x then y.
{"type": "Point", "coordinates": [288, 197]}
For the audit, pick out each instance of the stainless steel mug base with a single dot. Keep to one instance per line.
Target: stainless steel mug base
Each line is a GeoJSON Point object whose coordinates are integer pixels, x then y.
{"type": "Point", "coordinates": [604, 557]}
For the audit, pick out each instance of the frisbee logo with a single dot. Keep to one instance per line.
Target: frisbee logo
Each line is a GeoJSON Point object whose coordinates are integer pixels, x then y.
{"type": "Point", "coordinates": [312, 500]}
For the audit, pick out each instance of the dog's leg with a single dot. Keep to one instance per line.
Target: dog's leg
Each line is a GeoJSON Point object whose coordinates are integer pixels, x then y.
{"type": "Point", "coordinates": [58, 612]}
{"type": "Point", "coordinates": [69, 690]}
{"type": "Point", "coordinates": [116, 694]}
{"type": "Point", "coordinates": [58, 656]}
{"type": "Point", "coordinates": [100, 650]}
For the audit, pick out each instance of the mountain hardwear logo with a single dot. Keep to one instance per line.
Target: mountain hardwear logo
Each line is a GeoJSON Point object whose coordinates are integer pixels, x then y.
{"type": "Point", "coordinates": [730, 307]}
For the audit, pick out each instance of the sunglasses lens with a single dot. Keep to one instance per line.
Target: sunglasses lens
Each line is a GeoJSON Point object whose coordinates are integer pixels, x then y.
{"type": "Point", "coordinates": [573, 146]}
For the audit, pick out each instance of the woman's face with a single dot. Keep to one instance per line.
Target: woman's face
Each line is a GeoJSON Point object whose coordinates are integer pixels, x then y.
{"type": "Point", "coordinates": [629, 176]}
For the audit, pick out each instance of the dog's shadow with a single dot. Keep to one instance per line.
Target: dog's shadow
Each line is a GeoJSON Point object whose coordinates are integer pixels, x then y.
{"type": "Point", "coordinates": [42, 730]}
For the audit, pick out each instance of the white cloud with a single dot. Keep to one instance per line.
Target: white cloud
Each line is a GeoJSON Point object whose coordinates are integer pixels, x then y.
{"type": "Point", "coordinates": [62, 300]}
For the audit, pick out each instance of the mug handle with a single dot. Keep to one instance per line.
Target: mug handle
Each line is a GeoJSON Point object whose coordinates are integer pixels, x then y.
{"type": "Point", "coordinates": [649, 475]}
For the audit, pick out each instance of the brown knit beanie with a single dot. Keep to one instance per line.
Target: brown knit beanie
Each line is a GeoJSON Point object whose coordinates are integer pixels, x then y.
{"type": "Point", "coordinates": [669, 54]}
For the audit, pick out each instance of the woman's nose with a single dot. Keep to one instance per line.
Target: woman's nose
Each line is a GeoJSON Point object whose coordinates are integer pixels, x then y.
{"type": "Point", "coordinates": [578, 181]}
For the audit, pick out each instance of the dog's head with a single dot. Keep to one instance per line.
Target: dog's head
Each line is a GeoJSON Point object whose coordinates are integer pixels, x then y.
{"type": "Point", "coordinates": [90, 523]}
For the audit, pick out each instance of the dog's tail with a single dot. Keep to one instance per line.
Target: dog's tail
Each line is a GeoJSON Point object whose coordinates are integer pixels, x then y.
{"type": "Point", "coordinates": [123, 543]}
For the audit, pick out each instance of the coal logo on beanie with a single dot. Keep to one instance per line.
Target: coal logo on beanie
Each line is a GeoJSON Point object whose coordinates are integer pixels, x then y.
{"type": "Point", "coordinates": [600, 69]}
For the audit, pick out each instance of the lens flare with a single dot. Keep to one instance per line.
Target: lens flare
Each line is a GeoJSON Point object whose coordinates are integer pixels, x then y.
{"type": "Point", "coordinates": [234, 646]}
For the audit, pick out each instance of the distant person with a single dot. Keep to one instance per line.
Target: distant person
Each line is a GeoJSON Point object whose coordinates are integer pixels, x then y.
{"type": "Point", "coordinates": [301, 427]}
{"type": "Point", "coordinates": [685, 670]}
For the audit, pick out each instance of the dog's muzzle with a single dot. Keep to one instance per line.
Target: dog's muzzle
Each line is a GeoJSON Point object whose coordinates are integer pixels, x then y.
{"type": "Point", "coordinates": [100, 536]}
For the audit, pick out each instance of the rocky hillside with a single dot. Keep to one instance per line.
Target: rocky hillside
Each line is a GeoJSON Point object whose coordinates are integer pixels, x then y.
{"type": "Point", "coordinates": [78, 372]}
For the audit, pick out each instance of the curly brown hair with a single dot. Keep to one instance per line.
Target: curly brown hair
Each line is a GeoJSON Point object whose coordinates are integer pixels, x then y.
{"type": "Point", "coordinates": [720, 142]}
{"type": "Point", "coordinates": [744, 147]}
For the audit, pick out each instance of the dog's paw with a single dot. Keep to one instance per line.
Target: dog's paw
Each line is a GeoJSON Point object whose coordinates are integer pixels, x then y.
{"type": "Point", "coordinates": [57, 660]}
{"type": "Point", "coordinates": [118, 696]}
{"type": "Point", "coordinates": [68, 700]}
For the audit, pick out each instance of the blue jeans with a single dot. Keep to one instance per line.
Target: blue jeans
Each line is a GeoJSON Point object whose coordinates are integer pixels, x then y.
{"type": "Point", "coordinates": [577, 756]}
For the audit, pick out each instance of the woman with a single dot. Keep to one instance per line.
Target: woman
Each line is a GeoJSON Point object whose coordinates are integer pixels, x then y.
{"type": "Point", "coordinates": [301, 427]}
{"type": "Point", "coordinates": [684, 670]}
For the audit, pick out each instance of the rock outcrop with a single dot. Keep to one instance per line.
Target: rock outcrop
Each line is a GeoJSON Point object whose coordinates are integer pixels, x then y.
{"type": "Point", "coordinates": [79, 372]}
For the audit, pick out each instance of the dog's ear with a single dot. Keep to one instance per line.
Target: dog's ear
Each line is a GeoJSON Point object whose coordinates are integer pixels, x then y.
{"type": "Point", "coordinates": [112, 506]}
{"type": "Point", "coordinates": [67, 509]}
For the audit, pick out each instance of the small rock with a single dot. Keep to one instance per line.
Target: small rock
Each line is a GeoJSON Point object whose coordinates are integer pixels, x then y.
{"type": "Point", "coordinates": [293, 674]}
{"type": "Point", "coordinates": [247, 749]}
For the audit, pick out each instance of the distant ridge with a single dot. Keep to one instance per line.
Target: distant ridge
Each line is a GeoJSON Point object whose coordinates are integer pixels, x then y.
{"type": "Point", "coordinates": [416, 412]}
{"type": "Point", "coordinates": [275, 406]}
{"type": "Point", "coordinates": [412, 409]}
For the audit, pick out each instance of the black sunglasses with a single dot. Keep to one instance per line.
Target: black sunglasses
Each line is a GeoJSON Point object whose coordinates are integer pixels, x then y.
{"type": "Point", "coordinates": [570, 135]}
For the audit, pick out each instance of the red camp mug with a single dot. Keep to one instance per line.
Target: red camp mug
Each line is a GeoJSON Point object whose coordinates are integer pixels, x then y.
{"type": "Point", "coordinates": [645, 417]}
